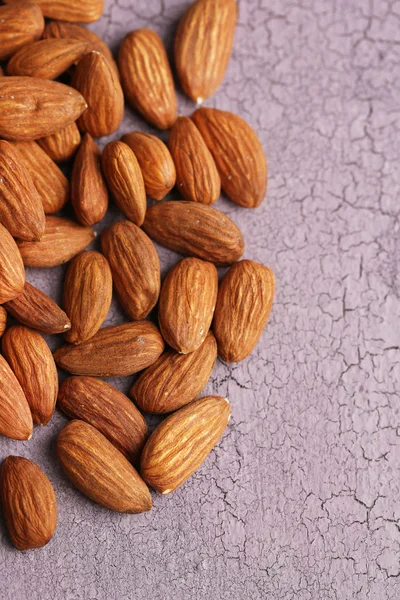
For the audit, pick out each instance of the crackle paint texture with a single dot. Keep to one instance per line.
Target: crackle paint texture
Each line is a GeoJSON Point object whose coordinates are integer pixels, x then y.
{"type": "Point", "coordinates": [300, 500]}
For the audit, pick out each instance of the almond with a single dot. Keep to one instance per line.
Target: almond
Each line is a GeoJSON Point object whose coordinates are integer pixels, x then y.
{"type": "Point", "coordinates": [125, 181]}
{"type": "Point", "coordinates": [114, 351]}
{"type": "Point", "coordinates": [244, 304]}
{"type": "Point", "coordinates": [180, 444]}
{"type": "Point", "coordinates": [203, 46]}
{"type": "Point", "coordinates": [70, 10]}
{"type": "Point", "coordinates": [195, 229]}
{"type": "Point", "coordinates": [238, 154]}
{"type": "Point", "coordinates": [46, 59]}
{"type": "Point", "coordinates": [135, 268]}
{"type": "Point", "coordinates": [33, 365]}
{"type": "Point", "coordinates": [62, 240]}
{"type": "Point", "coordinates": [73, 31]}
{"type": "Point", "coordinates": [19, 25]}
{"type": "Point", "coordinates": [12, 272]}
{"type": "Point", "coordinates": [108, 410]}
{"type": "Point", "coordinates": [146, 77]}
{"type": "Point", "coordinates": [89, 194]}
{"type": "Point", "coordinates": [87, 295]}
{"type": "Point", "coordinates": [196, 174]}
{"type": "Point", "coordinates": [63, 144]}
{"type": "Point", "coordinates": [29, 503]}
{"type": "Point", "coordinates": [175, 379]}
{"type": "Point", "coordinates": [155, 162]}
{"type": "Point", "coordinates": [15, 415]}
{"type": "Point", "coordinates": [187, 303]}
{"type": "Point", "coordinates": [3, 320]}
{"type": "Point", "coordinates": [100, 471]}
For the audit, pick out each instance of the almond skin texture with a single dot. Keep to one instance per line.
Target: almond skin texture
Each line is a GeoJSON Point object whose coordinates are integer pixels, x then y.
{"type": "Point", "coordinates": [3, 320]}
{"type": "Point", "coordinates": [97, 81]}
{"type": "Point", "coordinates": [29, 503]}
{"type": "Point", "coordinates": [180, 444]}
{"type": "Point", "coordinates": [187, 303]}
{"type": "Point", "coordinates": [114, 351]}
{"type": "Point", "coordinates": [100, 471]}
{"type": "Point", "coordinates": [196, 174]}
{"type": "Point", "coordinates": [155, 162]}
{"type": "Point", "coordinates": [203, 46]}
{"type": "Point", "coordinates": [70, 10]}
{"type": "Point", "coordinates": [63, 144]}
{"type": "Point", "coordinates": [175, 379]}
{"type": "Point", "coordinates": [146, 77]}
{"type": "Point", "coordinates": [33, 364]}
{"type": "Point", "coordinates": [194, 229]}
{"type": "Point", "coordinates": [62, 240]}
{"type": "Point", "coordinates": [12, 272]}
{"type": "Point", "coordinates": [19, 25]}
{"type": "Point", "coordinates": [32, 108]}
{"type": "Point", "coordinates": [244, 304]}
{"type": "Point", "coordinates": [89, 194]}
{"type": "Point", "coordinates": [73, 31]}
{"type": "Point", "coordinates": [35, 309]}
{"type": "Point", "coordinates": [238, 154]}
{"type": "Point", "coordinates": [125, 180]}
{"type": "Point", "coordinates": [15, 414]}
{"type": "Point", "coordinates": [108, 410]}
{"type": "Point", "coordinates": [46, 59]}
{"type": "Point", "coordinates": [87, 295]}
{"type": "Point", "coordinates": [135, 268]}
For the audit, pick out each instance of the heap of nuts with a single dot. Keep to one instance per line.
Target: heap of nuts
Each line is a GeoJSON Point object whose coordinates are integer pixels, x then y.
{"type": "Point", "coordinates": [105, 450]}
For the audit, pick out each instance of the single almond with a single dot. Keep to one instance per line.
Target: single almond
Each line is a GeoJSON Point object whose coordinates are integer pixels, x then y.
{"type": "Point", "coordinates": [181, 443]}
{"type": "Point", "coordinates": [19, 25]}
{"type": "Point", "coordinates": [146, 77]}
{"type": "Point", "coordinates": [108, 410]}
{"type": "Point", "coordinates": [73, 31]}
{"type": "Point", "coordinates": [3, 320]}
{"type": "Point", "coordinates": [63, 144]}
{"type": "Point", "coordinates": [15, 415]}
{"type": "Point", "coordinates": [135, 268]}
{"type": "Point", "coordinates": [194, 229]}
{"type": "Point", "coordinates": [12, 272]}
{"type": "Point", "coordinates": [46, 59]}
{"type": "Point", "coordinates": [33, 364]}
{"type": "Point", "coordinates": [243, 307]}
{"type": "Point", "coordinates": [87, 295]}
{"type": "Point", "coordinates": [70, 10]}
{"type": "Point", "coordinates": [100, 471]}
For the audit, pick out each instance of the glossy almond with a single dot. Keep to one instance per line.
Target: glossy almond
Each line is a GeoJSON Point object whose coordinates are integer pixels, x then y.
{"type": "Point", "coordinates": [33, 364]}
{"type": "Point", "coordinates": [3, 320]}
{"type": "Point", "coordinates": [46, 59]}
{"type": "Point", "coordinates": [19, 25]}
{"type": "Point", "coordinates": [87, 295]}
{"type": "Point", "coordinates": [181, 443]}
{"type": "Point", "coordinates": [70, 10]}
{"type": "Point", "coordinates": [195, 229]}
{"type": "Point", "coordinates": [100, 471]}
{"type": "Point", "coordinates": [107, 409]}
{"type": "Point", "coordinates": [63, 144]}
{"type": "Point", "coordinates": [73, 31]}
{"type": "Point", "coordinates": [12, 272]}
{"type": "Point", "coordinates": [146, 77]}
{"type": "Point", "coordinates": [244, 304]}
{"type": "Point", "coordinates": [15, 415]}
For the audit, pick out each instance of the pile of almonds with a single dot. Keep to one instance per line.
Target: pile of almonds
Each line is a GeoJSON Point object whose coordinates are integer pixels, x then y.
{"type": "Point", "coordinates": [41, 122]}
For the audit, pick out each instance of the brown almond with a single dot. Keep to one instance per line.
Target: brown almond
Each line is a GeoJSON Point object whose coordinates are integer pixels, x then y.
{"type": "Point", "coordinates": [15, 415]}
{"type": "Point", "coordinates": [12, 272]}
{"type": "Point", "coordinates": [70, 10]}
{"type": "Point", "coordinates": [87, 295]}
{"type": "Point", "coordinates": [33, 364]}
{"type": "Point", "coordinates": [238, 154]}
{"type": "Point", "coordinates": [46, 59]}
{"type": "Point", "coordinates": [29, 503]}
{"type": "Point", "coordinates": [63, 144]}
{"type": "Point", "coordinates": [114, 351]}
{"type": "Point", "coordinates": [100, 471]}
{"type": "Point", "coordinates": [146, 77]}
{"type": "Point", "coordinates": [73, 31]}
{"type": "Point", "coordinates": [181, 443]}
{"type": "Point", "coordinates": [19, 25]}
{"type": "Point", "coordinates": [243, 306]}
{"type": "Point", "coordinates": [135, 268]}
{"type": "Point", "coordinates": [175, 379]}
{"type": "Point", "coordinates": [108, 410]}
{"type": "Point", "coordinates": [194, 229]}
{"type": "Point", "coordinates": [125, 180]}
{"type": "Point", "coordinates": [3, 320]}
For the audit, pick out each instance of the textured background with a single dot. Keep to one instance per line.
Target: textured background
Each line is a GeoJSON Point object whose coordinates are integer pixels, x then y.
{"type": "Point", "coordinates": [301, 498]}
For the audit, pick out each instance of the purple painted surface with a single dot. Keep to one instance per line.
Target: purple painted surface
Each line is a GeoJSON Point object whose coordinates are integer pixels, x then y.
{"type": "Point", "coordinates": [300, 501]}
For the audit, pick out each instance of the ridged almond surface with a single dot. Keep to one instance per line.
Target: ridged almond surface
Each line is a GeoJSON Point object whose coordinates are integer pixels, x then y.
{"type": "Point", "coordinates": [12, 272]}
{"type": "Point", "coordinates": [19, 25]}
{"type": "Point", "coordinates": [87, 295]}
{"type": "Point", "coordinates": [100, 471]}
{"type": "Point", "coordinates": [107, 409]}
{"type": "Point", "coordinates": [175, 379]}
{"type": "Point", "coordinates": [125, 180]}
{"type": "Point", "coordinates": [238, 154]}
{"type": "Point", "coordinates": [33, 364]}
{"type": "Point", "coordinates": [70, 10]}
{"type": "Point", "coordinates": [15, 414]}
{"type": "Point", "coordinates": [3, 320]}
{"type": "Point", "coordinates": [195, 229]}
{"type": "Point", "coordinates": [146, 77]}
{"type": "Point", "coordinates": [244, 304]}
{"type": "Point", "coordinates": [73, 31]}
{"type": "Point", "coordinates": [203, 46]}
{"type": "Point", "coordinates": [135, 268]}
{"type": "Point", "coordinates": [29, 503]}
{"type": "Point", "coordinates": [46, 59]}
{"type": "Point", "coordinates": [115, 351]}
{"type": "Point", "coordinates": [63, 144]}
{"type": "Point", "coordinates": [187, 302]}
{"type": "Point", "coordinates": [181, 443]}
{"type": "Point", "coordinates": [155, 162]}
{"type": "Point", "coordinates": [197, 177]}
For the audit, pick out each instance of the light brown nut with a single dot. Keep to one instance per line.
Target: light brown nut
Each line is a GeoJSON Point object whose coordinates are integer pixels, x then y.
{"type": "Point", "coordinates": [15, 414]}
{"type": "Point", "coordinates": [46, 59]}
{"type": "Point", "coordinates": [63, 144]}
{"type": "Point", "coordinates": [70, 10]}
{"type": "Point", "coordinates": [19, 25]}
{"type": "Point", "coordinates": [3, 320]}
{"type": "Point", "coordinates": [12, 272]}
{"type": "Point", "coordinates": [73, 31]}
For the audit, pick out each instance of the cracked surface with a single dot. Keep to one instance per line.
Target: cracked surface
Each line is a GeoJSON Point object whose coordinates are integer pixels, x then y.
{"type": "Point", "coordinates": [300, 501]}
